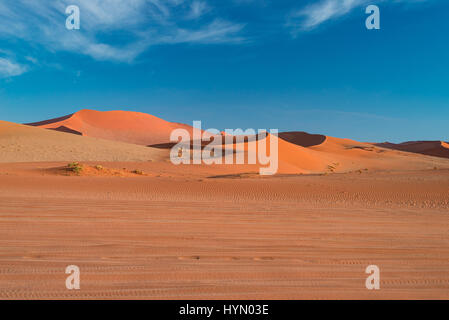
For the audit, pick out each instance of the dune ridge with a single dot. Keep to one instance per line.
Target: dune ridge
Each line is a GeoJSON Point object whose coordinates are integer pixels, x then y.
{"type": "Point", "coordinates": [299, 152]}
{"type": "Point", "coordinates": [335, 155]}
{"type": "Point", "coordinates": [21, 143]}
{"type": "Point", "coordinates": [430, 148]}
{"type": "Point", "coordinates": [124, 126]}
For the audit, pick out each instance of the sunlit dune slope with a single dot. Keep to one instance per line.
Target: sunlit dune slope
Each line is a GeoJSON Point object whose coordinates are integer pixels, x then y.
{"type": "Point", "coordinates": [20, 143]}
{"type": "Point", "coordinates": [331, 154]}
{"type": "Point", "coordinates": [125, 126]}
{"type": "Point", "coordinates": [84, 136]}
{"type": "Point", "coordinates": [334, 155]}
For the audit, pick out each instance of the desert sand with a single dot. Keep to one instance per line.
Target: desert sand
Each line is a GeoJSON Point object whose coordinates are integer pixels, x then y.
{"type": "Point", "coordinates": [125, 126]}
{"type": "Point", "coordinates": [431, 148]}
{"type": "Point", "coordinates": [20, 143]}
{"type": "Point", "coordinates": [140, 227]}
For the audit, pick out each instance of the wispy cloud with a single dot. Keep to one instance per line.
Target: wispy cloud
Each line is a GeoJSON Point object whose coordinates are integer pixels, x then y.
{"type": "Point", "coordinates": [218, 31]}
{"type": "Point", "coordinates": [113, 30]}
{"type": "Point", "coordinates": [198, 9]}
{"type": "Point", "coordinates": [120, 31]}
{"type": "Point", "coordinates": [9, 68]}
{"type": "Point", "coordinates": [317, 13]}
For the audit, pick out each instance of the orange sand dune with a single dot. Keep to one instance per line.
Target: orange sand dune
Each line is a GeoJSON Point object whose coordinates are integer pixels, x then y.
{"type": "Point", "coordinates": [352, 155]}
{"type": "Point", "coordinates": [333, 155]}
{"type": "Point", "coordinates": [431, 148]}
{"type": "Point", "coordinates": [329, 154]}
{"type": "Point", "coordinates": [141, 229]}
{"type": "Point", "coordinates": [297, 159]}
{"type": "Point", "coordinates": [20, 143]}
{"type": "Point", "coordinates": [124, 126]}
{"type": "Point", "coordinates": [299, 152]}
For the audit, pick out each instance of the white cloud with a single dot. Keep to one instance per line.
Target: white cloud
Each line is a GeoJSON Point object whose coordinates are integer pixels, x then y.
{"type": "Point", "coordinates": [9, 68]}
{"type": "Point", "coordinates": [322, 11]}
{"type": "Point", "coordinates": [218, 31]}
{"type": "Point", "coordinates": [113, 30]}
{"type": "Point", "coordinates": [197, 9]}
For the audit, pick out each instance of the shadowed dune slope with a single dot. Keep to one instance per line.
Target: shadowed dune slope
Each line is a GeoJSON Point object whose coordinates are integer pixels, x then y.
{"type": "Point", "coordinates": [302, 139]}
{"type": "Point", "coordinates": [431, 148]}
{"type": "Point", "coordinates": [343, 155]}
{"type": "Point", "coordinates": [125, 126]}
{"type": "Point", "coordinates": [353, 155]}
{"type": "Point", "coordinates": [299, 152]}
{"type": "Point", "coordinates": [21, 143]}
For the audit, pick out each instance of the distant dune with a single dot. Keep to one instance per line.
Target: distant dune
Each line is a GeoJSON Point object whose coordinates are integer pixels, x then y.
{"type": "Point", "coordinates": [333, 155]}
{"type": "Point", "coordinates": [431, 148]}
{"type": "Point", "coordinates": [125, 126]}
{"type": "Point", "coordinates": [20, 143]}
{"type": "Point", "coordinates": [84, 135]}
{"type": "Point", "coordinates": [329, 154]}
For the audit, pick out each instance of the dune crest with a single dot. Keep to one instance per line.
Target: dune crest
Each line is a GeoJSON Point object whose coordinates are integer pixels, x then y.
{"type": "Point", "coordinates": [346, 155]}
{"type": "Point", "coordinates": [302, 139]}
{"type": "Point", "coordinates": [21, 143]}
{"type": "Point", "coordinates": [125, 126]}
{"type": "Point", "coordinates": [299, 152]}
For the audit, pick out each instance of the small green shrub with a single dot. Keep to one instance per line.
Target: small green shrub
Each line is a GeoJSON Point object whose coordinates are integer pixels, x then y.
{"type": "Point", "coordinates": [75, 167]}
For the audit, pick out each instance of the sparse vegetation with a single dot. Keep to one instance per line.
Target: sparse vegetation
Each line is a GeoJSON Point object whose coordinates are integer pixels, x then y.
{"type": "Point", "coordinates": [75, 167]}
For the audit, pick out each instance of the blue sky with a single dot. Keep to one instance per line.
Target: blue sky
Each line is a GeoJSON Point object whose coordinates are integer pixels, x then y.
{"type": "Point", "coordinates": [291, 65]}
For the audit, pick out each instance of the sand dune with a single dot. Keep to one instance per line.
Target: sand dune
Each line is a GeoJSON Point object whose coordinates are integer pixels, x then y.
{"type": "Point", "coordinates": [431, 148]}
{"type": "Point", "coordinates": [149, 229]}
{"type": "Point", "coordinates": [125, 126]}
{"type": "Point", "coordinates": [302, 139]}
{"type": "Point", "coordinates": [329, 154]}
{"type": "Point", "coordinates": [333, 155]}
{"type": "Point", "coordinates": [299, 152]}
{"type": "Point", "coordinates": [20, 143]}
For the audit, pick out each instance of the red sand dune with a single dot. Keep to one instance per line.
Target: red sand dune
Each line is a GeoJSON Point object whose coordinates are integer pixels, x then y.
{"type": "Point", "coordinates": [334, 155]}
{"type": "Point", "coordinates": [299, 152]}
{"type": "Point", "coordinates": [20, 143]}
{"type": "Point", "coordinates": [430, 148]}
{"type": "Point", "coordinates": [140, 227]}
{"type": "Point", "coordinates": [125, 126]}
{"type": "Point", "coordinates": [329, 154]}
